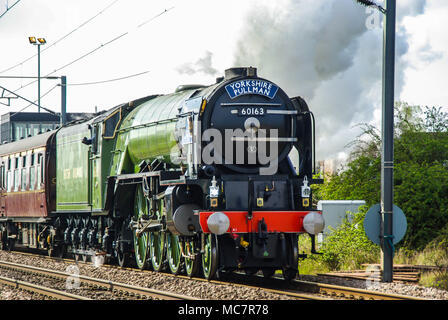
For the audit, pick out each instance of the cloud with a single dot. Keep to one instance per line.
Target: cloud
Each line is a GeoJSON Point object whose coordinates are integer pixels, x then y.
{"type": "Point", "coordinates": [410, 8]}
{"type": "Point", "coordinates": [323, 51]}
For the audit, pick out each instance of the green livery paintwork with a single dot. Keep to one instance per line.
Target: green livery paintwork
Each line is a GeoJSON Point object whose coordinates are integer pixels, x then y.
{"type": "Point", "coordinates": [144, 131]}
{"type": "Point", "coordinates": [72, 177]}
{"type": "Point", "coordinates": [148, 133]}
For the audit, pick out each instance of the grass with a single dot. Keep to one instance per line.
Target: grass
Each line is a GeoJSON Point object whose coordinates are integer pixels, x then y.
{"type": "Point", "coordinates": [312, 264]}
{"type": "Point", "coordinates": [438, 280]}
{"type": "Point", "coordinates": [434, 254]}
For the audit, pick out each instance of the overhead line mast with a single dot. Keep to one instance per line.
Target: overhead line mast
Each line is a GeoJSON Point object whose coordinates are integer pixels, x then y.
{"type": "Point", "coordinates": [387, 153]}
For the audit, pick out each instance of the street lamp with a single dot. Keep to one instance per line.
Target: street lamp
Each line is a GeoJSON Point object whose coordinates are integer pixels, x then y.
{"type": "Point", "coordinates": [38, 42]}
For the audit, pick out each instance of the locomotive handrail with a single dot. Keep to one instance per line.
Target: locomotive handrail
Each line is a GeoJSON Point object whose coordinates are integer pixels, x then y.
{"type": "Point", "coordinates": [149, 124]}
{"type": "Point", "coordinates": [186, 114]}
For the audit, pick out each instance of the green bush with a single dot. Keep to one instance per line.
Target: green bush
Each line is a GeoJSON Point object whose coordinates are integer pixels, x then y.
{"type": "Point", "coordinates": [420, 173]}
{"type": "Point", "coordinates": [347, 246]}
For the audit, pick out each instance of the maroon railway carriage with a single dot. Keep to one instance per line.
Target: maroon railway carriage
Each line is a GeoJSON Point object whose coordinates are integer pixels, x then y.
{"type": "Point", "coordinates": [26, 181]}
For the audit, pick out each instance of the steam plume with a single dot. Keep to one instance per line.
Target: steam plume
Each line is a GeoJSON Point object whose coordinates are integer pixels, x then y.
{"type": "Point", "coordinates": [323, 51]}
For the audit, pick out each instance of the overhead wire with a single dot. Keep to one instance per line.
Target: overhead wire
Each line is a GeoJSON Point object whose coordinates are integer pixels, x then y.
{"type": "Point", "coordinates": [32, 104]}
{"type": "Point", "coordinates": [9, 8]}
{"type": "Point", "coordinates": [97, 48]}
{"type": "Point", "coordinates": [106, 81]}
{"type": "Point", "coordinates": [88, 53]}
{"type": "Point", "coordinates": [83, 84]}
{"type": "Point", "coordinates": [63, 37]}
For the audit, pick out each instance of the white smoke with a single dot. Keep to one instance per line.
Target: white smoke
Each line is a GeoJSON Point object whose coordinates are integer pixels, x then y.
{"type": "Point", "coordinates": [202, 65]}
{"type": "Point", "coordinates": [323, 51]}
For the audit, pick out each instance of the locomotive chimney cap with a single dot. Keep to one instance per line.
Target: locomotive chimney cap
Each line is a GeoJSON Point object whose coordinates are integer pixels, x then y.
{"type": "Point", "coordinates": [240, 72]}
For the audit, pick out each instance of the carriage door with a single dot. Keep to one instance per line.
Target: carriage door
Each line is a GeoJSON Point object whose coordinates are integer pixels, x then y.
{"type": "Point", "coordinates": [95, 167]}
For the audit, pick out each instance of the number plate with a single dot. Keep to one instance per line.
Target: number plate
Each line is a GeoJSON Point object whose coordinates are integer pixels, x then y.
{"type": "Point", "coordinates": [251, 111]}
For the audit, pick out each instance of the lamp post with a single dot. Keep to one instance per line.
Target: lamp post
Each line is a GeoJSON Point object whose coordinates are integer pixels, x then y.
{"type": "Point", "coordinates": [38, 42]}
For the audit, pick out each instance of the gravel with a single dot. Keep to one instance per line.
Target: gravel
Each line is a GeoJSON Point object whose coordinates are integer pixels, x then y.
{"type": "Point", "coordinates": [7, 293]}
{"type": "Point", "coordinates": [394, 287]}
{"type": "Point", "coordinates": [154, 280]}
{"type": "Point", "coordinates": [195, 288]}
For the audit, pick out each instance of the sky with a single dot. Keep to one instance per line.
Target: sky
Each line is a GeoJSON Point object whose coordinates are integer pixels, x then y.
{"type": "Point", "coordinates": [327, 51]}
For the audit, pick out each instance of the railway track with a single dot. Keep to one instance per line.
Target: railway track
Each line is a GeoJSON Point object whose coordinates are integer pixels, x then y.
{"type": "Point", "coordinates": [44, 291]}
{"type": "Point", "coordinates": [123, 291]}
{"type": "Point", "coordinates": [321, 291]}
{"type": "Point", "coordinates": [297, 289]}
{"type": "Point", "coordinates": [292, 294]}
{"type": "Point", "coordinates": [349, 292]}
{"type": "Point", "coordinates": [231, 279]}
{"type": "Point", "coordinates": [401, 273]}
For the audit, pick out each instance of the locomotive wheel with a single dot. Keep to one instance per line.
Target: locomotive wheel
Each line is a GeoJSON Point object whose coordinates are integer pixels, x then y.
{"type": "Point", "coordinates": [268, 272]}
{"type": "Point", "coordinates": [209, 257]}
{"type": "Point", "coordinates": [173, 253]}
{"type": "Point", "coordinates": [290, 271]}
{"type": "Point", "coordinates": [157, 250]}
{"type": "Point", "coordinates": [140, 240]}
{"type": "Point", "coordinates": [122, 257]}
{"type": "Point", "coordinates": [191, 264]}
{"type": "Point", "coordinates": [77, 256]}
{"type": "Point", "coordinates": [251, 271]}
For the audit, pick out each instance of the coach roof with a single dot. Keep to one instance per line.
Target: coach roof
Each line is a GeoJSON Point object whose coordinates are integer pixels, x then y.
{"type": "Point", "coordinates": [36, 141]}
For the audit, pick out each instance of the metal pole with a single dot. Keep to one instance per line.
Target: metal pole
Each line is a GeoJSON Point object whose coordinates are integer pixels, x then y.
{"type": "Point", "coordinates": [63, 100]}
{"type": "Point", "coordinates": [387, 157]}
{"type": "Point", "coordinates": [38, 78]}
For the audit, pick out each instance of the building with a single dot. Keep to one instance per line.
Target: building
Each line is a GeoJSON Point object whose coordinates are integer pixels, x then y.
{"type": "Point", "coordinates": [20, 125]}
{"type": "Point", "coordinates": [329, 167]}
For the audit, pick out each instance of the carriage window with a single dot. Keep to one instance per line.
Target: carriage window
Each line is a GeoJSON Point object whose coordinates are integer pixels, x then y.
{"type": "Point", "coordinates": [2, 176]}
{"type": "Point", "coordinates": [16, 180]}
{"type": "Point", "coordinates": [23, 186]}
{"type": "Point", "coordinates": [9, 181]}
{"type": "Point", "coordinates": [40, 170]}
{"type": "Point", "coordinates": [32, 172]}
{"type": "Point", "coordinates": [32, 177]}
{"type": "Point", "coordinates": [9, 176]}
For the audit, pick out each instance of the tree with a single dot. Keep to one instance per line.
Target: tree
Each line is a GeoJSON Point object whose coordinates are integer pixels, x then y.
{"type": "Point", "coordinates": [420, 173]}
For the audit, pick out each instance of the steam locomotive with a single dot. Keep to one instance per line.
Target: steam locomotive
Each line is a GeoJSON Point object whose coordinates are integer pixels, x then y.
{"type": "Point", "coordinates": [200, 179]}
